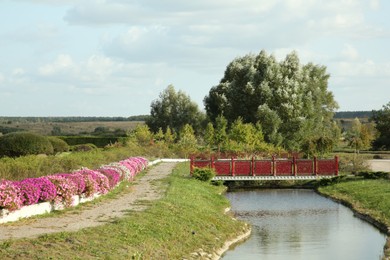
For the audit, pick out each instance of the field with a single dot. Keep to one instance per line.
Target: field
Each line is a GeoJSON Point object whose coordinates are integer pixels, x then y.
{"type": "Point", "coordinates": [69, 128]}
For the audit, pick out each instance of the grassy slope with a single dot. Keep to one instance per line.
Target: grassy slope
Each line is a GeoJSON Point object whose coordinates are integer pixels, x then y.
{"type": "Point", "coordinates": [366, 196]}
{"type": "Point", "coordinates": [369, 197]}
{"type": "Point", "coordinates": [189, 217]}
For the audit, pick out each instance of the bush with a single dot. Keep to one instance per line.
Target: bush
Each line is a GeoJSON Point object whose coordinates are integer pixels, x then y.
{"type": "Point", "coordinates": [203, 174]}
{"type": "Point", "coordinates": [353, 163]}
{"type": "Point", "coordinates": [373, 175]}
{"type": "Point", "coordinates": [58, 144]}
{"type": "Point", "coordinates": [24, 143]}
{"type": "Point", "coordinates": [84, 147]}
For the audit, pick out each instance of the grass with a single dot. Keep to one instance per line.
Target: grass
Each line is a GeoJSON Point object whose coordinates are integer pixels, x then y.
{"type": "Point", "coordinates": [369, 197]}
{"type": "Point", "coordinates": [188, 218]}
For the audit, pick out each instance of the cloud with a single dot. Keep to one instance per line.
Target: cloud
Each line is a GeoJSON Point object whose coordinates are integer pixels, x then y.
{"type": "Point", "coordinates": [62, 64]}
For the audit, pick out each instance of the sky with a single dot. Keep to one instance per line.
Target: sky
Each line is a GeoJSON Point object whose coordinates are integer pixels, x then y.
{"type": "Point", "coordinates": [114, 57]}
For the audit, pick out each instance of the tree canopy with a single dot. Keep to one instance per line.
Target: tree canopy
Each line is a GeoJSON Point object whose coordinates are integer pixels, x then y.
{"type": "Point", "coordinates": [289, 100]}
{"type": "Point", "coordinates": [174, 110]}
{"type": "Point", "coordinates": [382, 125]}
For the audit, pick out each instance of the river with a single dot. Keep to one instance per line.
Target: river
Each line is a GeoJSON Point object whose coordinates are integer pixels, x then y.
{"type": "Point", "coordinates": [300, 224]}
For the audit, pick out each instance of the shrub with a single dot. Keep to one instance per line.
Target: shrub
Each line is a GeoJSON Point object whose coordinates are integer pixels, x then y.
{"type": "Point", "coordinates": [373, 175]}
{"type": "Point", "coordinates": [9, 196]}
{"type": "Point", "coordinates": [24, 143]}
{"type": "Point", "coordinates": [65, 189]}
{"type": "Point", "coordinates": [84, 147]}
{"type": "Point", "coordinates": [58, 144]}
{"type": "Point", "coordinates": [203, 174]}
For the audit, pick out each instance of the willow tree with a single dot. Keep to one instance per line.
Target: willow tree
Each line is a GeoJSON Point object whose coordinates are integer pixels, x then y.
{"type": "Point", "coordinates": [290, 100]}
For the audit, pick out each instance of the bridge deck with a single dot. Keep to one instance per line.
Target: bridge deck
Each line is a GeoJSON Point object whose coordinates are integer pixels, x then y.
{"type": "Point", "coordinates": [270, 178]}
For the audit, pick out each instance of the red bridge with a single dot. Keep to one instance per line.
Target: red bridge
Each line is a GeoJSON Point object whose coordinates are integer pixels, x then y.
{"type": "Point", "coordinates": [271, 169]}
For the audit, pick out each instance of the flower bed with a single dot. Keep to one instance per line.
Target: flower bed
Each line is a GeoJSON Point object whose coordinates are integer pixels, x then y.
{"type": "Point", "coordinates": [34, 196]}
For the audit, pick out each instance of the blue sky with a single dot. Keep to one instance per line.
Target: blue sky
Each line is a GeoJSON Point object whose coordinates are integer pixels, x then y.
{"type": "Point", "coordinates": [114, 57]}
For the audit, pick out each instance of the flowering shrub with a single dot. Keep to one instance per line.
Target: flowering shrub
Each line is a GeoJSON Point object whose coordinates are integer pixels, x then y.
{"type": "Point", "coordinates": [29, 191]}
{"type": "Point", "coordinates": [112, 175]}
{"type": "Point", "coordinates": [77, 179]}
{"type": "Point", "coordinates": [34, 190]}
{"type": "Point", "coordinates": [9, 196]}
{"type": "Point", "coordinates": [101, 180]}
{"type": "Point", "coordinates": [61, 187]}
{"type": "Point", "coordinates": [48, 189]}
{"type": "Point", "coordinates": [65, 189]}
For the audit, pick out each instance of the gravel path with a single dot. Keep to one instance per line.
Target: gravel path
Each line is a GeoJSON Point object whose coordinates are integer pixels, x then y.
{"type": "Point", "coordinates": [96, 215]}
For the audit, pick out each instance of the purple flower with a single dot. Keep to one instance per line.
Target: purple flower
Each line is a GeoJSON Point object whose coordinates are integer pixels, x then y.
{"type": "Point", "coordinates": [10, 196]}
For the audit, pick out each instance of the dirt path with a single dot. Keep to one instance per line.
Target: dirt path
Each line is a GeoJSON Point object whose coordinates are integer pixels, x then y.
{"type": "Point", "coordinates": [143, 190]}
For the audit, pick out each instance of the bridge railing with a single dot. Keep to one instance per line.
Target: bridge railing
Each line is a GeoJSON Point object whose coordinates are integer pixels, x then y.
{"type": "Point", "coordinates": [269, 167]}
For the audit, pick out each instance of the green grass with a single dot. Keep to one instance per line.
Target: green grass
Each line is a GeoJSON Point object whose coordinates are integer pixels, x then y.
{"type": "Point", "coordinates": [369, 197]}
{"type": "Point", "coordinates": [188, 218]}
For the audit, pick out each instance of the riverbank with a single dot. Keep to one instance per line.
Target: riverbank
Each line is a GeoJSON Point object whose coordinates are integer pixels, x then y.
{"type": "Point", "coordinates": [189, 218]}
{"type": "Point", "coordinates": [369, 199]}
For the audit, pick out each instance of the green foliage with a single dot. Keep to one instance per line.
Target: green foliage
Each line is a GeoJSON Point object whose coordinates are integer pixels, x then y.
{"type": "Point", "coordinates": [290, 100]}
{"type": "Point", "coordinates": [209, 135]}
{"type": "Point", "coordinates": [187, 141]}
{"type": "Point", "coordinates": [373, 175]}
{"type": "Point", "coordinates": [99, 141]}
{"type": "Point", "coordinates": [84, 147]}
{"type": "Point", "coordinates": [382, 125]}
{"type": "Point", "coordinates": [24, 143]}
{"type": "Point", "coordinates": [353, 163]}
{"type": "Point", "coordinates": [220, 133]}
{"type": "Point", "coordinates": [58, 144]}
{"type": "Point", "coordinates": [174, 109]}
{"type": "Point", "coordinates": [203, 174]}
{"type": "Point", "coordinates": [143, 135]}
{"type": "Point", "coordinates": [360, 136]}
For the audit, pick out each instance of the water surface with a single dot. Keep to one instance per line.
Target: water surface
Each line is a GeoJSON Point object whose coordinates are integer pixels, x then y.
{"type": "Point", "coordinates": [300, 224]}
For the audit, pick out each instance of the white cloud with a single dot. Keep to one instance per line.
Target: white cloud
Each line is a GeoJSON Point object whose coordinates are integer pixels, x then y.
{"type": "Point", "coordinates": [62, 64]}
{"type": "Point", "coordinates": [2, 78]}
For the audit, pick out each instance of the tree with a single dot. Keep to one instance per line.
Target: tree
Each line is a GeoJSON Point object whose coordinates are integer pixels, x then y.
{"type": "Point", "coordinates": [143, 134]}
{"type": "Point", "coordinates": [209, 135]}
{"type": "Point", "coordinates": [360, 136]}
{"type": "Point", "coordinates": [187, 140]}
{"type": "Point", "coordinates": [382, 125]}
{"type": "Point", "coordinates": [290, 100]}
{"type": "Point", "coordinates": [220, 134]}
{"type": "Point", "coordinates": [174, 109]}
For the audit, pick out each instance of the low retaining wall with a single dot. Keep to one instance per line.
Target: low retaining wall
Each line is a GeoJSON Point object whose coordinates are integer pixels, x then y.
{"type": "Point", "coordinates": [39, 209]}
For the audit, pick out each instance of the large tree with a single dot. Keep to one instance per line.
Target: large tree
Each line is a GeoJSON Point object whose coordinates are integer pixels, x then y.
{"type": "Point", "coordinates": [174, 110]}
{"type": "Point", "coordinates": [290, 100]}
{"type": "Point", "coordinates": [382, 125]}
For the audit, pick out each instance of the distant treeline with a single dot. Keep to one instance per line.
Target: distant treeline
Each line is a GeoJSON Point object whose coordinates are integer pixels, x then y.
{"type": "Point", "coordinates": [72, 119]}
{"type": "Point", "coordinates": [353, 114]}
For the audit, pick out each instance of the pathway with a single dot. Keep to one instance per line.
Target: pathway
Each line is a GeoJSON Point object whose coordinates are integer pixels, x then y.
{"type": "Point", "coordinates": [95, 215]}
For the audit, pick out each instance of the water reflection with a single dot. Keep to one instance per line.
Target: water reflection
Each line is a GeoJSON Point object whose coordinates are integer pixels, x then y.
{"type": "Point", "coordinates": [300, 224]}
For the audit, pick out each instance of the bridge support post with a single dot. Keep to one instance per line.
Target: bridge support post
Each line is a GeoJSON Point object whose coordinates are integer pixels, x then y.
{"type": "Point", "coordinates": [336, 161]}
